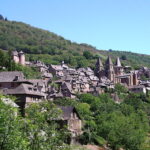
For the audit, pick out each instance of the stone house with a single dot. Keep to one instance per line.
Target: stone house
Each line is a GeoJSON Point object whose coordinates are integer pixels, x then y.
{"type": "Point", "coordinates": [96, 90]}
{"type": "Point", "coordinates": [137, 89]}
{"type": "Point", "coordinates": [56, 70]}
{"type": "Point", "coordinates": [75, 86]}
{"type": "Point", "coordinates": [67, 91]}
{"type": "Point", "coordinates": [72, 120]}
{"type": "Point", "coordinates": [41, 67]}
{"type": "Point", "coordinates": [84, 85]}
{"type": "Point", "coordinates": [47, 76]}
{"type": "Point", "coordinates": [144, 71]}
{"type": "Point", "coordinates": [11, 79]}
{"type": "Point", "coordinates": [25, 94]}
{"type": "Point", "coordinates": [94, 80]}
{"type": "Point", "coordinates": [41, 85]}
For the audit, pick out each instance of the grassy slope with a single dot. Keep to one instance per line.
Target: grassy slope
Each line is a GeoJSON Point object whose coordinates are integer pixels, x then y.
{"type": "Point", "coordinates": [53, 48]}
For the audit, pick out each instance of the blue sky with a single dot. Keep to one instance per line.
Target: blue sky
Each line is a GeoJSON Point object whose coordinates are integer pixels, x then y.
{"type": "Point", "coordinates": [105, 24]}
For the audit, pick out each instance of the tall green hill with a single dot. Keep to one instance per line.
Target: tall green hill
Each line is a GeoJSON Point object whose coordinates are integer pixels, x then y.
{"type": "Point", "coordinates": [51, 48]}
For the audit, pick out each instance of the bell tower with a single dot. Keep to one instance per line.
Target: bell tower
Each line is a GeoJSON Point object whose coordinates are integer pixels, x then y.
{"type": "Point", "coordinates": [109, 69]}
{"type": "Point", "coordinates": [99, 68]}
{"type": "Point", "coordinates": [118, 67]}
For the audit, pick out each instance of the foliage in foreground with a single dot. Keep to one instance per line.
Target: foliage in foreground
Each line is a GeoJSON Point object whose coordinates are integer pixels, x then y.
{"type": "Point", "coordinates": [124, 125]}
{"type": "Point", "coordinates": [37, 131]}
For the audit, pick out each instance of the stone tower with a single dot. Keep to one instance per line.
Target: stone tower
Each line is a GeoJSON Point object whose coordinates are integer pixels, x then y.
{"type": "Point", "coordinates": [109, 69]}
{"type": "Point", "coordinates": [15, 57]}
{"type": "Point", "coordinates": [135, 79]}
{"type": "Point", "coordinates": [21, 58]}
{"type": "Point", "coordinates": [18, 57]}
{"type": "Point", "coordinates": [99, 68]}
{"type": "Point", "coordinates": [118, 67]}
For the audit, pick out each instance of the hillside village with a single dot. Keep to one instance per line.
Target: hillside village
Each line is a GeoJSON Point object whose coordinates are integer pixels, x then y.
{"type": "Point", "coordinates": [59, 81]}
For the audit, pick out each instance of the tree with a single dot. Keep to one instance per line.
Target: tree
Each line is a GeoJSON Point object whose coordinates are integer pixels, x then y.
{"type": "Point", "coordinates": [3, 59]}
{"type": "Point", "coordinates": [11, 135]}
{"type": "Point", "coordinates": [87, 54]}
{"type": "Point", "coordinates": [1, 17]}
{"type": "Point", "coordinates": [128, 132]}
{"type": "Point", "coordinates": [124, 57]}
{"type": "Point", "coordinates": [120, 88]}
{"type": "Point", "coordinates": [39, 130]}
{"type": "Point", "coordinates": [41, 127]}
{"type": "Point", "coordinates": [81, 62]}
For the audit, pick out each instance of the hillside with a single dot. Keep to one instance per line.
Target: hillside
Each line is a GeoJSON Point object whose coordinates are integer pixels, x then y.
{"type": "Point", "coordinates": [51, 48]}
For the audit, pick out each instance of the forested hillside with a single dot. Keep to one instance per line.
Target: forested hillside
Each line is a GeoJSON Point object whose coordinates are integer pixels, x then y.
{"type": "Point", "coordinates": [51, 48]}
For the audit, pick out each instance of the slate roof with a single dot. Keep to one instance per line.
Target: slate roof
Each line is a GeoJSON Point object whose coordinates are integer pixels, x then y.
{"type": "Point", "coordinates": [55, 95]}
{"type": "Point", "coordinates": [118, 63]}
{"type": "Point", "coordinates": [136, 86]}
{"type": "Point", "coordinates": [57, 67]}
{"type": "Point", "coordinates": [84, 79]}
{"type": "Point", "coordinates": [109, 61]}
{"type": "Point", "coordinates": [66, 112]}
{"type": "Point", "coordinates": [23, 89]}
{"type": "Point", "coordinates": [21, 52]}
{"type": "Point", "coordinates": [48, 75]}
{"type": "Point", "coordinates": [10, 76]}
{"type": "Point", "coordinates": [99, 63]}
{"type": "Point", "coordinates": [15, 53]}
{"type": "Point", "coordinates": [68, 86]}
{"type": "Point", "coordinates": [95, 78]}
{"type": "Point", "coordinates": [38, 82]}
{"type": "Point", "coordinates": [89, 69]}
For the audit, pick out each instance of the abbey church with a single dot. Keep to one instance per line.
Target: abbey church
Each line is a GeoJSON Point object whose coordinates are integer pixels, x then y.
{"type": "Point", "coordinates": [115, 72]}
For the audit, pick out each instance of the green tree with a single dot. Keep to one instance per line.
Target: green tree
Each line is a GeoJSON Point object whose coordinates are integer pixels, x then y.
{"type": "Point", "coordinates": [87, 54]}
{"type": "Point", "coordinates": [11, 135]}
{"type": "Point", "coordinates": [41, 127]}
{"type": "Point", "coordinates": [120, 88]}
{"type": "Point", "coordinates": [1, 17]}
{"type": "Point", "coordinates": [128, 132]}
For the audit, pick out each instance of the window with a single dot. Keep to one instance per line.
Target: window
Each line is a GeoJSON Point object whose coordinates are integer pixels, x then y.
{"type": "Point", "coordinates": [30, 89]}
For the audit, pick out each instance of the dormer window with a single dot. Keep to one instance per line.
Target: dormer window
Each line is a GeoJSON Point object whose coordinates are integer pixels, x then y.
{"type": "Point", "coordinates": [30, 89]}
{"type": "Point", "coordinates": [16, 78]}
{"type": "Point", "coordinates": [35, 89]}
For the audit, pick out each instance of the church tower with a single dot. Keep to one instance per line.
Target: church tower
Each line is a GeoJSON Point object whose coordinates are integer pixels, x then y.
{"type": "Point", "coordinates": [99, 68]}
{"type": "Point", "coordinates": [109, 69]}
{"type": "Point", "coordinates": [118, 67]}
{"type": "Point", "coordinates": [135, 79]}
